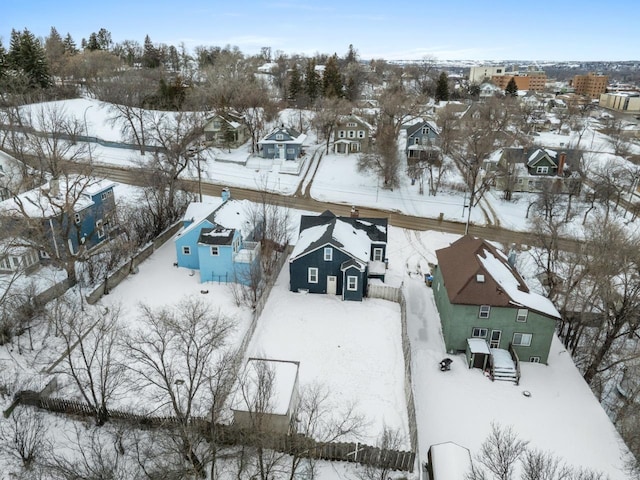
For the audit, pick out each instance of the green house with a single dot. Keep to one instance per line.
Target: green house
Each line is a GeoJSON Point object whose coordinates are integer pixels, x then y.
{"type": "Point", "coordinates": [480, 296]}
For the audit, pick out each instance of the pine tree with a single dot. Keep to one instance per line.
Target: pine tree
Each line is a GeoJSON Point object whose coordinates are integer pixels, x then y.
{"type": "Point", "coordinates": [27, 56]}
{"type": "Point", "coordinates": [93, 44]}
{"type": "Point", "coordinates": [352, 55]}
{"type": "Point", "coordinates": [103, 38]}
{"type": "Point", "coordinates": [69, 45]}
{"type": "Point", "coordinates": [311, 81]}
{"type": "Point", "coordinates": [150, 55]}
{"type": "Point", "coordinates": [295, 85]}
{"type": "Point", "coordinates": [3, 61]}
{"type": "Point", "coordinates": [332, 80]}
{"type": "Point", "coordinates": [512, 88]}
{"type": "Point", "coordinates": [442, 87]}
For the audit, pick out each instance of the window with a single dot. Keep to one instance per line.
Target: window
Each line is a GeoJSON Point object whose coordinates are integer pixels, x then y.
{"type": "Point", "coordinates": [484, 311]}
{"type": "Point", "coordinates": [328, 254]}
{"type": "Point", "coordinates": [522, 315]}
{"type": "Point", "coordinates": [341, 134]}
{"type": "Point", "coordinates": [279, 136]}
{"type": "Point", "coordinates": [76, 217]}
{"type": "Point", "coordinates": [270, 151]}
{"type": "Point", "coordinates": [100, 229]}
{"type": "Point", "coordinates": [291, 151]}
{"type": "Point", "coordinates": [522, 339]}
{"type": "Point", "coordinates": [186, 250]}
{"type": "Point", "coordinates": [416, 141]}
{"type": "Point", "coordinates": [352, 134]}
{"type": "Point", "coordinates": [520, 181]}
{"type": "Point", "coordinates": [479, 332]}
{"type": "Point", "coordinates": [352, 283]}
{"type": "Point", "coordinates": [377, 254]}
{"type": "Point", "coordinates": [542, 170]}
{"type": "Point", "coordinates": [313, 275]}
{"type": "Point", "coordinates": [360, 133]}
{"type": "Point", "coordinates": [425, 130]}
{"type": "Point", "coordinates": [215, 250]}
{"type": "Point", "coordinates": [352, 124]}
{"type": "Point", "coordinates": [534, 359]}
{"type": "Point", "coordinates": [106, 194]}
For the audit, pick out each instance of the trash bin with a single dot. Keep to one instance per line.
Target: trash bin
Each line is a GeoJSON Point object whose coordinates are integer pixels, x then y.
{"type": "Point", "coordinates": [428, 279]}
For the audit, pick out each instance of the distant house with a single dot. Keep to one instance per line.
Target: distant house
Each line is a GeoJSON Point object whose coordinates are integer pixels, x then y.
{"type": "Point", "coordinates": [268, 396]}
{"type": "Point", "coordinates": [283, 143]}
{"type": "Point", "coordinates": [338, 255]}
{"type": "Point", "coordinates": [220, 254]}
{"type": "Point", "coordinates": [352, 135]}
{"type": "Point", "coordinates": [422, 139]}
{"type": "Point", "coordinates": [519, 169]}
{"type": "Point", "coordinates": [226, 130]}
{"type": "Point", "coordinates": [71, 212]}
{"type": "Point", "coordinates": [483, 301]}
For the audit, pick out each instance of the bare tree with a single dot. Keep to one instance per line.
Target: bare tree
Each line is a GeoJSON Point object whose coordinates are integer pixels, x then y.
{"type": "Point", "coordinates": [91, 351]}
{"type": "Point", "coordinates": [24, 437]}
{"type": "Point", "coordinates": [174, 360]}
{"type": "Point", "coordinates": [499, 454]}
{"type": "Point", "coordinates": [389, 439]}
{"type": "Point", "coordinates": [384, 159]}
{"type": "Point", "coordinates": [329, 112]}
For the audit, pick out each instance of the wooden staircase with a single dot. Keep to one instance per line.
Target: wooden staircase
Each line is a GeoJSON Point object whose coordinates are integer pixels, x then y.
{"type": "Point", "coordinates": [505, 365]}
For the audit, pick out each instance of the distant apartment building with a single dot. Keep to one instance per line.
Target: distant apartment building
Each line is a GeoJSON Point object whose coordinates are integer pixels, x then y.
{"type": "Point", "coordinates": [592, 84]}
{"type": "Point", "coordinates": [621, 101]}
{"type": "Point", "coordinates": [477, 75]}
{"type": "Point", "coordinates": [534, 80]}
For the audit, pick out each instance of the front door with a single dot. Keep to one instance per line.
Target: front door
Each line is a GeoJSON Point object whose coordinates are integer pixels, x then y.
{"type": "Point", "coordinates": [332, 282]}
{"type": "Point", "coordinates": [495, 339]}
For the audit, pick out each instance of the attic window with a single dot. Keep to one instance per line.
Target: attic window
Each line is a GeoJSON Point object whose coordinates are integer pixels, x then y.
{"type": "Point", "coordinates": [480, 278]}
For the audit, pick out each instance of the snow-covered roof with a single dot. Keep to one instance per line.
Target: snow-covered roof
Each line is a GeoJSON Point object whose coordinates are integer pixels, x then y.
{"type": "Point", "coordinates": [478, 345]}
{"type": "Point", "coordinates": [282, 373]}
{"type": "Point", "coordinates": [50, 199]}
{"type": "Point", "coordinates": [477, 273]}
{"type": "Point", "coordinates": [199, 211]}
{"type": "Point", "coordinates": [351, 235]}
{"type": "Point", "coordinates": [450, 461]}
{"type": "Point", "coordinates": [503, 274]}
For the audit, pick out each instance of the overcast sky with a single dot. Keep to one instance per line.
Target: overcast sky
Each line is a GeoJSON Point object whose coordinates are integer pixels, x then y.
{"type": "Point", "coordinates": [394, 30]}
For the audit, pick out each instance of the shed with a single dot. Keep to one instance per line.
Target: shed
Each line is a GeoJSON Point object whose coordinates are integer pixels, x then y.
{"type": "Point", "coordinates": [448, 461]}
{"type": "Point", "coordinates": [267, 396]}
{"type": "Point", "coordinates": [477, 353]}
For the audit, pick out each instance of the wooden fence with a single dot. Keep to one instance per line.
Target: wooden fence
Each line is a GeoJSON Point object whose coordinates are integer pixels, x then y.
{"type": "Point", "coordinates": [292, 444]}
{"type": "Point", "coordinates": [395, 294]}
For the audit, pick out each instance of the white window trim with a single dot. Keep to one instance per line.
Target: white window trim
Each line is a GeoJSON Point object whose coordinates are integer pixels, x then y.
{"type": "Point", "coordinates": [486, 332]}
{"type": "Point", "coordinates": [328, 254]}
{"type": "Point", "coordinates": [312, 275]}
{"type": "Point", "coordinates": [534, 359]}
{"type": "Point", "coordinates": [341, 134]}
{"type": "Point", "coordinates": [542, 170]}
{"type": "Point", "coordinates": [77, 218]}
{"type": "Point", "coordinates": [186, 250]}
{"type": "Point", "coordinates": [484, 311]}
{"type": "Point", "coordinates": [100, 229]}
{"type": "Point", "coordinates": [522, 315]}
{"type": "Point", "coordinates": [529, 336]}
{"type": "Point", "coordinates": [350, 279]}
{"type": "Point", "coordinates": [214, 250]}
{"type": "Point", "coordinates": [378, 254]}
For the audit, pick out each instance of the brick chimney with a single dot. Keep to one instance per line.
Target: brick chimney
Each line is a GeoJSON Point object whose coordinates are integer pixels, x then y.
{"type": "Point", "coordinates": [562, 158]}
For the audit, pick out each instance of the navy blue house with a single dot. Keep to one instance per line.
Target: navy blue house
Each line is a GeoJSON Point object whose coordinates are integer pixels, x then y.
{"type": "Point", "coordinates": [338, 255]}
{"type": "Point", "coordinates": [283, 143]}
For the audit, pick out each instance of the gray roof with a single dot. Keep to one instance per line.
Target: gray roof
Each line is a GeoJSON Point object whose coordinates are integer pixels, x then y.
{"type": "Point", "coordinates": [216, 236]}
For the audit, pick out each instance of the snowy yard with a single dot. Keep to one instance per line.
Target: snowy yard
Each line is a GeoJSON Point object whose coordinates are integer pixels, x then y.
{"type": "Point", "coordinates": [352, 348]}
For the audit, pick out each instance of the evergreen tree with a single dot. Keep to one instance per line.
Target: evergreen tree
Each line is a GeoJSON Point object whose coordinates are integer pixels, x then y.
{"type": "Point", "coordinates": [295, 85]}
{"type": "Point", "coordinates": [150, 55]}
{"type": "Point", "coordinates": [442, 87]}
{"type": "Point", "coordinates": [27, 56]}
{"type": "Point", "coordinates": [93, 44]}
{"type": "Point", "coordinates": [103, 37]}
{"type": "Point", "coordinates": [311, 81]}
{"type": "Point", "coordinates": [3, 61]}
{"type": "Point", "coordinates": [332, 80]}
{"type": "Point", "coordinates": [512, 88]}
{"type": "Point", "coordinates": [69, 45]}
{"type": "Point", "coordinates": [352, 55]}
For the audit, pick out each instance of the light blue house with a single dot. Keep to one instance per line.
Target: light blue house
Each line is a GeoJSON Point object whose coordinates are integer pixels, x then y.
{"type": "Point", "coordinates": [283, 143]}
{"type": "Point", "coordinates": [220, 254]}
